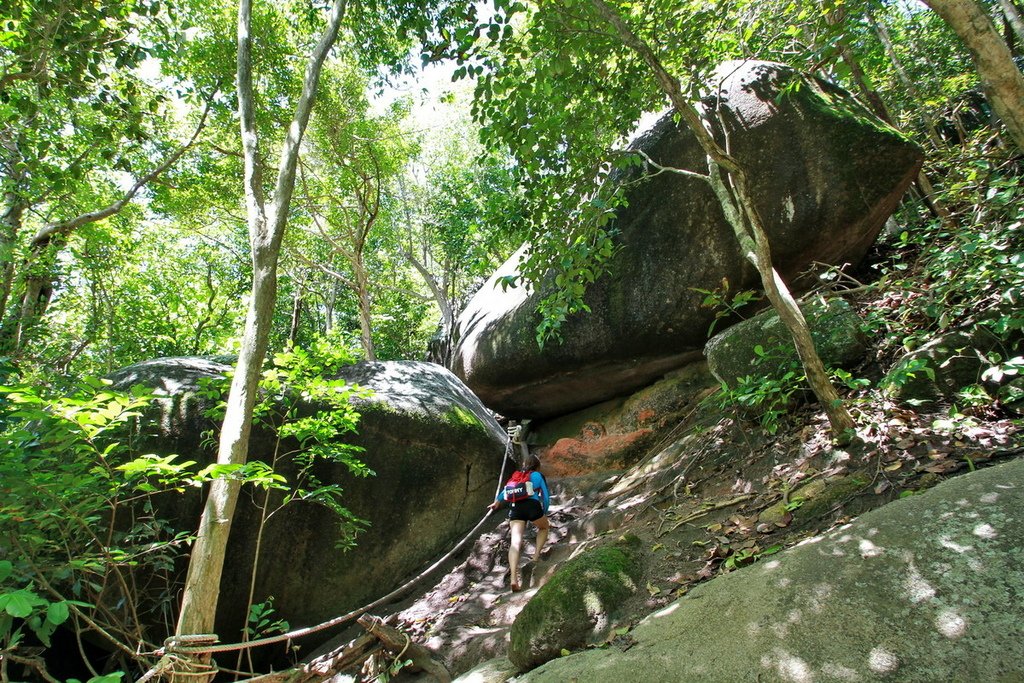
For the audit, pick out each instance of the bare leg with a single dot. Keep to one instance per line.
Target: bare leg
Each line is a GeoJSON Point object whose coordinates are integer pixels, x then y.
{"type": "Point", "coordinates": [543, 525]}
{"type": "Point", "coordinates": [517, 527]}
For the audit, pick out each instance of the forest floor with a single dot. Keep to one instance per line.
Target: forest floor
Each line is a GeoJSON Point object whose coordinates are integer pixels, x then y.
{"type": "Point", "coordinates": [720, 497]}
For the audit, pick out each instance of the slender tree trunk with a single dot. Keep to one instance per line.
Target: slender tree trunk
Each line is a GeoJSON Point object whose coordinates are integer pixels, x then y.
{"type": "Point", "coordinates": [1000, 77]}
{"type": "Point", "coordinates": [10, 227]}
{"type": "Point", "coordinates": [443, 302]}
{"type": "Point", "coordinates": [34, 286]}
{"type": "Point", "coordinates": [871, 96]}
{"type": "Point", "coordinates": [878, 106]}
{"type": "Point", "coordinates": [361, 281]}
{"type": "Point", "coordinates": [743, 217]}
{"type": "Point", "coordinates": [266, 230]}
{"type": "Point", "coordinates": [447, 312]}
{"type": "Point", "coordinates": [905, 80]}
{"type": "Point", "coordinates": [1013, 18]}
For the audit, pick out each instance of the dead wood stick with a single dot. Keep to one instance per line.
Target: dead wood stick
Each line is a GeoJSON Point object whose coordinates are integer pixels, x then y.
{"type": "Point", "coordinates": [714, 506]}
{"type": "Point", "coordinates": [327, 665]}
{"type": "Point", "coordinates": [397, 641]}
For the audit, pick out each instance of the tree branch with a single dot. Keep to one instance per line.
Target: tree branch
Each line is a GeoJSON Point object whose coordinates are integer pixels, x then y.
{"type": "Point", "coordinates": [48, 232]}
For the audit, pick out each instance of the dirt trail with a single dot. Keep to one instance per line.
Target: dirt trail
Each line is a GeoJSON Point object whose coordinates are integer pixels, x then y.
{"type": "Point", "coordinates": [717, 498]}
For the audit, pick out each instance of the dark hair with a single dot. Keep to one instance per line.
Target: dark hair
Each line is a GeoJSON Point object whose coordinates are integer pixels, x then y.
{"type": "Point", "coordinates": [531, 462]}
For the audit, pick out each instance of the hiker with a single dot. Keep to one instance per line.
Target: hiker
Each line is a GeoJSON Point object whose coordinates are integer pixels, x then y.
{"type": "Point", "coordinates": [527, 498]}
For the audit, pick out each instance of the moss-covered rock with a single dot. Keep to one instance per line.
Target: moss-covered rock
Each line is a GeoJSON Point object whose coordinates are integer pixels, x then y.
{"type": "Point", "coordinates": [577, 605]}
{"type": "Point", "coordinates": [941, 368]}
{"type": "Point", "coordinates": [834, 326]}
{"type": "Point", "coordinates": [823, 174]}
{"type": "Point", "coordinates": [1012, 395]}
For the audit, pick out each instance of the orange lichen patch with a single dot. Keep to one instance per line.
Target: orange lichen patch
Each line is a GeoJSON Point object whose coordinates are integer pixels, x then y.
{"type": "Point", "coordinates": [573, 457]}
{"type": "Point", "coordinates": [645, 416]}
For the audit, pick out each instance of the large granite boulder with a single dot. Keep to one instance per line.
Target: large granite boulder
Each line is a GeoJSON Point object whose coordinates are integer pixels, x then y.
{"type": "Point", "coordinates": [923, 589]}
{"type": "Point", "coordinates": [824, 173]}
{"type": "Point", "coordinates": [436, 452]}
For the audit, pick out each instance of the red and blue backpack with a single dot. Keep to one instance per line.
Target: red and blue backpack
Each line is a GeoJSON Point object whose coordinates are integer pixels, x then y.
{"type": "Point", "coordinates": [518, 487]}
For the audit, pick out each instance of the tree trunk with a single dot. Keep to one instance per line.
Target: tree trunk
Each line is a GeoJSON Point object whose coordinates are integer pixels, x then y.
{"type": "Point", "coordinates": [905, 80]}
{"type": "Point", "coordinates": [266, 230]}
{"type": "Point", "coordinates": [10, 226]}
{"type": "Point", "coordinates": [746, 223]}
{"type": "Point", "coordinates": [1013, 17]}
{"type": "Point", "coordinates": [1000, 77]}
{"type": "Point", "coordinates": [878, 106]}
{"type": "Point", "coordinates": [874, 100]}
{"type": "Point", "coordinates": [362, 286]}
{"type": "Point", "coordinates": [445, 306]}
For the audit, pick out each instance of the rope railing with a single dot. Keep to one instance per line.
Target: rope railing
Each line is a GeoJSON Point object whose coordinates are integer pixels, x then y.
{"type": "Point", "coordinates": [202, 644]}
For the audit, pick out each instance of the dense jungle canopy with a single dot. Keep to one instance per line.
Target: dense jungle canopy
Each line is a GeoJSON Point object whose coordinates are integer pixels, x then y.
{"type": "Point", "coordinates": [298, 184]}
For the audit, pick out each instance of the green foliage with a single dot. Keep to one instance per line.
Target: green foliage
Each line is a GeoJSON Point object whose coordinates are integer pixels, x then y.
{"type": "Point", "coordinates": [80, 533]}
{"type": "Point", "coordinates": [310, 413]}
{"type": "Point", "coordinates": [725, 306]}
{"type": "Point", "coordinates": [143, 292]}
{"type": "Point", "coordinates": [262, 621]}
{"type": "Point", "coordinates": [906, 371]}
{"type": "Point", "coordinates": [967, 274]}
{"type": "Point", "coordinates": [81, 519]}
{"type": "Point", "coordinates": [767, 395]}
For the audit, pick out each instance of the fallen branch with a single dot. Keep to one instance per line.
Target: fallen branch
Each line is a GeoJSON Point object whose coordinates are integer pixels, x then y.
{"type": "Point", "coordinates": [327, 665]}
{"type": "Point", "coordinates": [397, 641]}
{"type": "Point", "coordinates": [711, 508]}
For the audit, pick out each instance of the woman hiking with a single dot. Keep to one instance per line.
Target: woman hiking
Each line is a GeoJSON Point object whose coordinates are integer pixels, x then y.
{"type": "Point", "coordinates": [526, 495]}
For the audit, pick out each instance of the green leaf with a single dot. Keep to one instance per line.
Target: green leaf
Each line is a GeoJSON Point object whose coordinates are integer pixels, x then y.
{"type": "Point", "coordinates": [108, 678]}
{"type": "Point", "coordinates": [5, 569]}
{"type": "Point", "coordinates": [57, 613]}
{"type": "Point", "coordinates": [20, 603]}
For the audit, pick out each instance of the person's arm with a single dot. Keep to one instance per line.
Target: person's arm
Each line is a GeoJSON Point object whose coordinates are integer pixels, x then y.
{"type": "Point", "coordinates": [499, 500]}
{"type": "Point", "coordinates": [541, 484]}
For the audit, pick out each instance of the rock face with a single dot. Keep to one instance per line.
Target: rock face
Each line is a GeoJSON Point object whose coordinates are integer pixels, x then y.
{"type": "Point", "coordinates": [436, 452]}
{"type": "Point", "coordinates": [617, 433]}
{"type": "Point", "coordinates": [576, 607]}
{"type": "Point", "coordinates": [943, 367]}
{"type": "Point", "coordinates": [824, 174]}
{"type": "Point", "coordinates": [919, 590]}
{"type": "Point", "coordinates": [834, 326]}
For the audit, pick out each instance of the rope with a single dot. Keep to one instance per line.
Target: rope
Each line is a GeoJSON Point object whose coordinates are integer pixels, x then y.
{"type": "Point", "coordinates": [174, 643]}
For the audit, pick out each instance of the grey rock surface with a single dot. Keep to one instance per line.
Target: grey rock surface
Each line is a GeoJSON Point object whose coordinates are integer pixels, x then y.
{"type": "Point", "coordinates": [436, 452]}
{"type": "Point", "coordinates": [834, 326]}
{"type": "Point", "coordinates": [824, 175]}
{"type": "Point", "coordinates": [927, 588]}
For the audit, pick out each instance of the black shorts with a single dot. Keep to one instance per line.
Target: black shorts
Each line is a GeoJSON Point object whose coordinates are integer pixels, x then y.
{"type": "Point", "coordinates": [529, 510]}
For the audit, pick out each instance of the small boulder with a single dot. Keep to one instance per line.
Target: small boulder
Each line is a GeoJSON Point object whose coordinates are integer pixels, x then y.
{"type": "Point", "coordinates": [576, 607]}
{"type": "Point", "coordinates": [1011, 395]}
{"type": "Point", "coordinates": [835, 328]}
{"type": "Point", "coordinates": [943, 367]}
